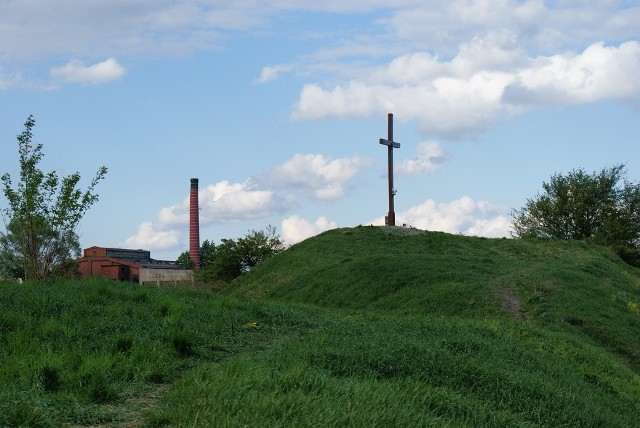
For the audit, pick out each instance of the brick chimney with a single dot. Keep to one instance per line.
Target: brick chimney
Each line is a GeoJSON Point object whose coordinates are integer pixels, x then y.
{"type": "Point", "coordinates": [194, 225]}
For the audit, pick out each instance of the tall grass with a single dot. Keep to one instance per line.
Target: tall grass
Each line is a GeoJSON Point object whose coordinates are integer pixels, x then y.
{"type": "Point", "coordinates": [80, 353]}
{"type": "Point", "coordinates": [564, 286]}
{"type": "Point", "coordinates": [393, 371]}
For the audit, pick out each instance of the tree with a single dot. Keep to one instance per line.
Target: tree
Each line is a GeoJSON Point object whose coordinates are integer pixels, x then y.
{"type": "Point", "coordinates": [258, 246]}
{"type": "Point", "coordinates": [601, 207]}
{"type": "Point", "coordinates": [184, 260]}
{"type": "Point", "coordinates": [42, 215]}
{"type": "Point", "coordinates": [234, 257]}
{"type": "Point", "coordinates": [207, 254]}
{"type": "Point", "coordinates": [226, 266]}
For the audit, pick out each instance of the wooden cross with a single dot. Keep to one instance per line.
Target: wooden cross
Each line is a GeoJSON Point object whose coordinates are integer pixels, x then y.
{"type": "Point", "coordinates": [390, 219]}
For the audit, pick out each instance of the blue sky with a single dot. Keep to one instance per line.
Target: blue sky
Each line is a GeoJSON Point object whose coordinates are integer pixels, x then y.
{"type": "Point", "coordinates": [277, 107]}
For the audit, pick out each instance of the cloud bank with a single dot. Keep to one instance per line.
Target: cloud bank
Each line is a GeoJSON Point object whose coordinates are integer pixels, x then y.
{"type": "Point", "coordinates": [273, 193]}
{"type": "Point", "coordinates": [461, 216]}
{"type": "Point", "coordinates": [487, 81]}
{"type": "Point", "coordinates": [464, 216]}
{"type": "Point", "coordinates": [225, 202]}
{"type": "Point", "coordinates": [40, 27]}
{"type": "Point", "coordinates": [320, 178]}
{"type": "Point", "coordinates": [36, 32]}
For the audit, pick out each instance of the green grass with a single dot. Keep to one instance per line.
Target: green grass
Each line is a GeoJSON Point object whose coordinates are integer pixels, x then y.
{"type": "Point", "coordinates": [564, 286]}
{"type": "Point", "coordinates": [356, 327]}
{"type": "Point", "coordinates": [83, 353]}
{"type": "Point", "coordinates": [390, 371]}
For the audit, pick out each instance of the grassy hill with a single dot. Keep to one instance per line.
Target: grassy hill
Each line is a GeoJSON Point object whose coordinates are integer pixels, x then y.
{"type": "Point", "coordinates": [566, 286]}
{"type": "Point", "coordinates": [369, 326]}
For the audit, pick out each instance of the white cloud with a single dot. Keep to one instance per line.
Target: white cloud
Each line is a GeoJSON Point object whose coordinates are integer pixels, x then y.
{"type": "Point", "coordinates": [464, 216]}
{"type": "Point", "coordinates": [324, 178]}
{"type": "Point", "coordinates": [599, 73]}
{"type": "Point", "coordinates": [270, 73]}
{"type": "Point", "coordinates": [150, 238]}
{"type": "Point", "coordinates": [296, 229]}
{"type": "Point", "coordinates": [430, 156]}
{"type": "Point", "coordinates": [220, 203]}
{"type": "Point", "coordinates": [36, 31]}
{"type": "Point", "coordinates": [257, 198]}
{"type": "Point", "coordinates": [450, 98]}
{"type": "Point", "coordinates": [78, 72]}
{"type": "Point", "coordinates": [484, 83]}
{"type": "Point", "coordinates": [225, 202]}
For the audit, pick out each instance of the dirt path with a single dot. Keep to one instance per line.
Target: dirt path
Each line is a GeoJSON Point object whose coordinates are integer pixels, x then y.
{"type": "Point", "coordinates": [130, 414]}
{"type": "Point", "coordinates": [511, 305]}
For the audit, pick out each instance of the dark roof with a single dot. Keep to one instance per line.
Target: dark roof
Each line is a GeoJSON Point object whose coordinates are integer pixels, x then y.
{"type": "Point", "coordinates": [160, 264]}
{"type": "Point", "coordinates": [142, 258]}
{"type": "Point", "coordinates": [129, 255]}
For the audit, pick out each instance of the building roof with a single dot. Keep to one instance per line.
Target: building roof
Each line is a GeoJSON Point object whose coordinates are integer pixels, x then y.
{"type": "Point", "coordinates": [138, 257]}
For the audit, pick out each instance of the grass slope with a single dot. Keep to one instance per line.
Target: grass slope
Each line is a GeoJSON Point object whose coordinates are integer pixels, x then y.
{"type": "Point", "coordinates": [407, 328]}
{"type": "Point", "coordinates": [565, 286]}
{"type": "Point", "coordinates": [100, 352]}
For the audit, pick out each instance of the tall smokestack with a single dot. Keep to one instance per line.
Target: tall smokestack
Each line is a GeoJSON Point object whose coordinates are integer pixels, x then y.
{"type": "Point", "coordinates": [194, 225]}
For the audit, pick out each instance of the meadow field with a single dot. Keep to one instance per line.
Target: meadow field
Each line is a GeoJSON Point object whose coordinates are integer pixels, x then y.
{"type": "Point", "coordinates": [366, 326]}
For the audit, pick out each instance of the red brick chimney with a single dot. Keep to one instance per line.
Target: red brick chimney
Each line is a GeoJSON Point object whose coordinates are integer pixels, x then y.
{"type": "Point", "coordinates": [194, 225]}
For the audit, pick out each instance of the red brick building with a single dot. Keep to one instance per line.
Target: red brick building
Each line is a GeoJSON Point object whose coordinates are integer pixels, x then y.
{"type": "Point", "coordinates": [121, 264]}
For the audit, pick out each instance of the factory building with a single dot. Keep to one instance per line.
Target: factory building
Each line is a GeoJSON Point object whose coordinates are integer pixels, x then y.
{"type": "Point", "coordinates": [122, 264]}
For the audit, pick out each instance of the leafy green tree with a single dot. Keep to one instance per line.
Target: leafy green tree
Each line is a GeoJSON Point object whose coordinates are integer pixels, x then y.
{"type": "Point", "coordinates": [234, 257]}
{"type": "Point", "coordinates": [42, 215]}
{"type": "Point", "coordinates": [184, 260]}
{"type": "Point", "coordinates": [207, 255]}
{"type": "Point", "coordinates": [602, 207]}
{"type": "Point", "coordinates": [258, 246]}
{"type": "Point", "coordinates": [226, 265]}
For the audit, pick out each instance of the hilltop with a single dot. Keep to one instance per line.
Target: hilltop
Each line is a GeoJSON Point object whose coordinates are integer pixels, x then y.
{"type": "Point", "coordinates": [562, 285]}
{"type": "Point", "coordinates": [367, 326]}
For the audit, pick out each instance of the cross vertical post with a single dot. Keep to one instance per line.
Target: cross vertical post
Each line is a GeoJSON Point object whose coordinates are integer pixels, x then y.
{"type": "Point", "coordinates": [390, 219]}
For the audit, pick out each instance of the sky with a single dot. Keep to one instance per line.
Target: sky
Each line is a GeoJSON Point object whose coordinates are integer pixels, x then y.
{"type": "Point", "coordinates": [277, 107]}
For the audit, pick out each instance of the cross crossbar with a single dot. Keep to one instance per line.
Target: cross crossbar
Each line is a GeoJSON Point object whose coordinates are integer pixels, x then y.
{"type": "Point", "coordinates": [390, 143]}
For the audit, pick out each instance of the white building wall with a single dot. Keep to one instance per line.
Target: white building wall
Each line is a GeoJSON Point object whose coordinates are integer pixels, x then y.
{"type": "Point", "coordinates": [165, 276]}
